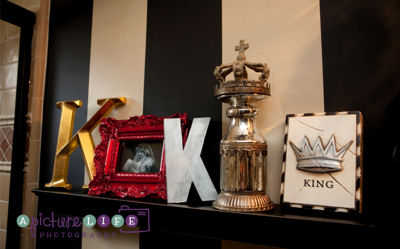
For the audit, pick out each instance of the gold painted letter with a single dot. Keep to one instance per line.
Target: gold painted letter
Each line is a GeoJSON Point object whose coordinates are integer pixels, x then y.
{"type": "Point", "coordinates": [83, 138]}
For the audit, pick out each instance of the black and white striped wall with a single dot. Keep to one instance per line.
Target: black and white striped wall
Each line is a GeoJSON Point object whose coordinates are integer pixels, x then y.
{"type": "Point", "coordinates": [324, 56]}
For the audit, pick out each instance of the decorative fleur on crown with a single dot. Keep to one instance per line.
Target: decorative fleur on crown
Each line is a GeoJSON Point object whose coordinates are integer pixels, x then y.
{"type": "Point", "coordinates": [241, 83]}
{"type": "Point", "coordinates": [319, 158]}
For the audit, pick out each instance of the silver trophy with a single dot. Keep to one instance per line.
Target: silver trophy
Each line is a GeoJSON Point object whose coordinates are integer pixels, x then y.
{"type": "Point", "coordinates": [243, 150]}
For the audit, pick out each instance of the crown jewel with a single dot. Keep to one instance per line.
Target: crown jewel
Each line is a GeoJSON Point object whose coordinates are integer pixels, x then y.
{"type": "Point", "coordinates": [319, 158]}
{"type": "Point", "coordinates": [240, 84]}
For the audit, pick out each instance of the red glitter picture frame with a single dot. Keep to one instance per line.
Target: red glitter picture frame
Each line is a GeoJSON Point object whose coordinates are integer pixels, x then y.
{"type": "Point", "coordinates": [138, 129]}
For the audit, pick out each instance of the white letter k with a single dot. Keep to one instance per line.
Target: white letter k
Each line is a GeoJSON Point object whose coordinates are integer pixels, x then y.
{"type": "Point", "coordinates": [185, 166]}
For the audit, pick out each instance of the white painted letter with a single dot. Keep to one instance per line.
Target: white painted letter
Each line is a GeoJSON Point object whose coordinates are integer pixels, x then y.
{"type": "Point", "coordinates": [184, 165]}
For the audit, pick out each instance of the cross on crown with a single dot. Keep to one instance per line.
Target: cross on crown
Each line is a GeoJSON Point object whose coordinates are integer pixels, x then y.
{"type": "Point", "coordinates": [242, 47]}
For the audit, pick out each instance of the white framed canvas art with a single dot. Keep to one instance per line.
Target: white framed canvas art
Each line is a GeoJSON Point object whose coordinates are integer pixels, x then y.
{"type": "Point", "coordinates": [322, 162]}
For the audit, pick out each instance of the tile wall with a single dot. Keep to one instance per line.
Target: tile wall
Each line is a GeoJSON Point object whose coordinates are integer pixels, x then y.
{"type": "Point", "coordinates": [9, 45]}
{"type": "Point", "coordinates": [9, 51]}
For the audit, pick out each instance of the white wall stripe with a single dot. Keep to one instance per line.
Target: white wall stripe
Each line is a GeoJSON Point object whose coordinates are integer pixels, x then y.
{"type": "Point", "coordinates": [117, 65]}
{"type": "Point", "coordinates": [287, 36]}
{"type": "Point", "coordinates": [117, 59]}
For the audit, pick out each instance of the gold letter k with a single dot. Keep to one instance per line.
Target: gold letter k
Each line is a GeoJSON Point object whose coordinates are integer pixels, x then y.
{"type": "Point", "coordinates": [83, 138]}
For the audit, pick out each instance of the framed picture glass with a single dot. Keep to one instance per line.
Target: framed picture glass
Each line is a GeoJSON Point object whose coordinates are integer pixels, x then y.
{"type": "Point", "coordinates": [140, 156]}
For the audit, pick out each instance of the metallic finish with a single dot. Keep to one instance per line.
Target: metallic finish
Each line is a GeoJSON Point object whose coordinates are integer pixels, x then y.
{"type": "Point", "coordinates": [241, 85]}
{"type": "Point", "coordinates": [83, 138]}
{"type": "Point", "coordinates": [249, 202]}
{"type": "Point", "coordinates": [246, 87]}
{"type": "Point", "coordinates": [320, 158]}
{"type": "Point", "coordinates": [185, 166]}
{"type": "Point", "coordinates": [243, 150]}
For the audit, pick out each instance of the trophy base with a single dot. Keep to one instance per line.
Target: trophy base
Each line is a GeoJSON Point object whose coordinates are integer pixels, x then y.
{"type": "Point", "coordinates": [243, 202]}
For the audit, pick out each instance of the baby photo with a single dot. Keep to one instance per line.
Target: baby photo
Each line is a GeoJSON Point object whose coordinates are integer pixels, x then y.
{"type": "Point", "coordinates": [140, 157]}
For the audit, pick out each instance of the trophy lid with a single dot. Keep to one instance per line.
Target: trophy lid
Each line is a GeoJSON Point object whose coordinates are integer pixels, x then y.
{"type": "Point", "coordinates": [241, 85]}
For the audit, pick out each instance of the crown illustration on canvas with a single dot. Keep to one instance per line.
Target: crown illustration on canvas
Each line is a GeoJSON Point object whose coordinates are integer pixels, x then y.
{"type": "Point", "coordinates": [240, 84]}
{"type": "Point", "coordinates": [319, 158]}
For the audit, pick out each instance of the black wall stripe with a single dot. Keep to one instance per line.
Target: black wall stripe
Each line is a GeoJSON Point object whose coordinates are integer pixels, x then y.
{"type": "Point", "coordinates": [67, 78]}
{"type": "Point", "coordinates": [184, 44]}
{"type": "Point", "coordinates": [360, 49]}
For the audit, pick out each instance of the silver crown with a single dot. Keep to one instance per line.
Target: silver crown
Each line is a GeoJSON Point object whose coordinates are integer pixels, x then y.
{"type": "Point", "coordinates": [319, 158]}
{"type": "Point", "coordinates": [241, 84]}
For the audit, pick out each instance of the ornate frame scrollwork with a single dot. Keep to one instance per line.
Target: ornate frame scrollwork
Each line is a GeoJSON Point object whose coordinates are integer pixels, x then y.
{"type": "Point", "coordinates": [108, 180]}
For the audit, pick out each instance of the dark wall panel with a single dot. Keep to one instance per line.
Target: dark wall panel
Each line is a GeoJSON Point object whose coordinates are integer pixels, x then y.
{"type": "Point", "coordinates": [361, 47]}
{"type": "Point", "coordinates": [184, 44]}
{"type": "Point", "coordinates": [67, 79]}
